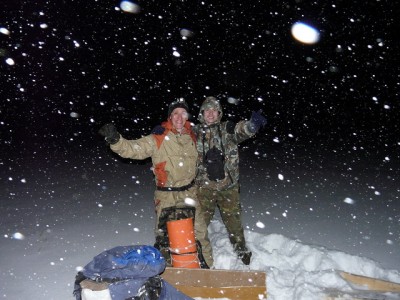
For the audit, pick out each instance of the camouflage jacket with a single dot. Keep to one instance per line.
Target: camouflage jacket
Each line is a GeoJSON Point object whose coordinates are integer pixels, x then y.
{"type": "Point", "coordinates": [225, 136]}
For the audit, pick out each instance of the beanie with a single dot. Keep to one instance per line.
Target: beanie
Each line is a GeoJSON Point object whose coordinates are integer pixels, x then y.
{"type": "Point", "coordinates": [180, 103]}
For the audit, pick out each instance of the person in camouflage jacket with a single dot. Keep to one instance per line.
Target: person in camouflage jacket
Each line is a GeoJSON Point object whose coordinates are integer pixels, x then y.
{"type": "Point", "coordinates": [174, 158]}
{"type": "Point", "coordinates": [218, 168]}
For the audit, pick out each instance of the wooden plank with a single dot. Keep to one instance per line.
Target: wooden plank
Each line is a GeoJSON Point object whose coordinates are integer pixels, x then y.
{"type": "Point", "coordinates": [371, 284]}
{"type": "Point", "coordinates": [346, 297]}
{"type": "Point", "coordinates": [355, 296]}
{"type": "Point", "coordinates": [236, 292]}
{"type": "Point", "coordinates": [214, 278]}
{"type": "Point", "coordinates": [232, 284]}
{"type": "Point", "coordinates": [364, 288]}
{"type": "Point", "coordinates": [93, 285]}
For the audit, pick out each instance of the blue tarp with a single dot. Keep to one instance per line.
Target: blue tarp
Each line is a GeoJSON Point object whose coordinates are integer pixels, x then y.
{"type": "Point", "coordinates": [126, 262]}
{"type": "Point", "coordinates": [128, 268]}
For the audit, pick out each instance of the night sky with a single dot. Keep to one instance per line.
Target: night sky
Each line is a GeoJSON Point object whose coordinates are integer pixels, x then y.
{"type": "Point", "coordinates": [76, 65]}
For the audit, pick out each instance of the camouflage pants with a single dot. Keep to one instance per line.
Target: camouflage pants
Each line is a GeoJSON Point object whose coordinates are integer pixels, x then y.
{"type": "Point", "coordinates": [228, 203]}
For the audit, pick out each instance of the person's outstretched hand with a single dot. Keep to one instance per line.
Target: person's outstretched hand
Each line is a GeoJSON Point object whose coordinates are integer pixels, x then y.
{"type": "Point", "coordinates": [257, 121]}
{"type": "Point", "coordinates": [109, 131]}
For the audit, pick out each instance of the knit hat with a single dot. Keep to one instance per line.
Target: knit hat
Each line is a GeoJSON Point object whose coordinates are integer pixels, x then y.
{"type": "Point", "coordinates": [176, 104]}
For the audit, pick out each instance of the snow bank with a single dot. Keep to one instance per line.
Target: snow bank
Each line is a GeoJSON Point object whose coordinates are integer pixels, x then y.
{"type": "Point", "coordinates": [295, 270]}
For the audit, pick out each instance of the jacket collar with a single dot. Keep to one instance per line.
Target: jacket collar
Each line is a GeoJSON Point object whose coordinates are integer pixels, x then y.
{"type": "Point", "coordinates": [187, 129]}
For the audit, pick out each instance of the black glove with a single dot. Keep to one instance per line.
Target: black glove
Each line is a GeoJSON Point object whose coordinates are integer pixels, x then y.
{"type": "Point", "coordinates": [109, 131]}
{"type": "Point", "coordinates": [158, 130]}
{"type": "Point", "coordinates": [257, 121]}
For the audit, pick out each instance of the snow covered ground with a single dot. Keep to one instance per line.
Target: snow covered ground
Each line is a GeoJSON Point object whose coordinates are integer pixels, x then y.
{"type": "Point", "coordinates": [304, 218]}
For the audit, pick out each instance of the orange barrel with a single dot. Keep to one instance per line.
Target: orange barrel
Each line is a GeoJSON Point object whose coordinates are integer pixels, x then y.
{"type": "Point", "coordinates": [182, 243]}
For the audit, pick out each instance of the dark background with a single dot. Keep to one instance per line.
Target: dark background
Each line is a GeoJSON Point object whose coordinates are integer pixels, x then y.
{"type": "Point", "coordinates": [93, 63]}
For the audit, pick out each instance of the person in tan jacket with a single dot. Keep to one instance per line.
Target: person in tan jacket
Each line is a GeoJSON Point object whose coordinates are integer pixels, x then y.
{"type": "Point", "coordinates": [174, 157]}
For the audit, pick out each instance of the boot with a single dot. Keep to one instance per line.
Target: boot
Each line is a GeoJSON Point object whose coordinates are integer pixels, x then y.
{"type": "Point", "coordinates": [243, 253]}
{"type": "Point", "coordinates": [245, 256]}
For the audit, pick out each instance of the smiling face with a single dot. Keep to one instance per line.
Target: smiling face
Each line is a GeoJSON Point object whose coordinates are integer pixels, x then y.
{"type": "Point", "coordinates": [210, 115]}
{"type": "Point", "coordinates": [178, 118]}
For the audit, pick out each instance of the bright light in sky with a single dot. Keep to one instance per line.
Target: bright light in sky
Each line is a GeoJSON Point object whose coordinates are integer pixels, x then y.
{"type": "Point", "coordinates": [10, 61]}
{"type": "Point", "coordinates": [186, 33]}
{"type": "Point", "coordinates": [305, 33]}
{"type": "Point", "coordinates": [4, 31]}
{"type": "Point", "coordinates": [129, 7]}
{"type": "Point", "coordinates": [18, 236]}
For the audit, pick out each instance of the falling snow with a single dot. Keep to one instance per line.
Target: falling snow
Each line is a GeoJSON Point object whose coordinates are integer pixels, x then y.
{"type": "Point", "coordinates": [319, 184]}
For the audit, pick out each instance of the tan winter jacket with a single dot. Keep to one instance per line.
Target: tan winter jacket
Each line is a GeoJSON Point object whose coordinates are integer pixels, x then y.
{"type": "Point", "coordinates": [173, 155]}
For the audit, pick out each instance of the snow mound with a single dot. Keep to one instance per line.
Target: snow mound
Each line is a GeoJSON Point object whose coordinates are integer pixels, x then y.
{"type": "Point", "coordinates": [294, 270]}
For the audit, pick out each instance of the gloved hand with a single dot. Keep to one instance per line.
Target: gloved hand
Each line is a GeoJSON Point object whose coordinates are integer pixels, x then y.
{"type": "Point", "coordinates": [109, 131]}
{"type": "Point", "coordinates": [257, 121]}
{"type": "Point", "coordinates": [158, 130]}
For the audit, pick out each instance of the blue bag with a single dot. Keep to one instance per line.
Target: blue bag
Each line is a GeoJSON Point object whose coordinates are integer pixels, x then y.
{"type": "Point", "coordinates": [132, 273]}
